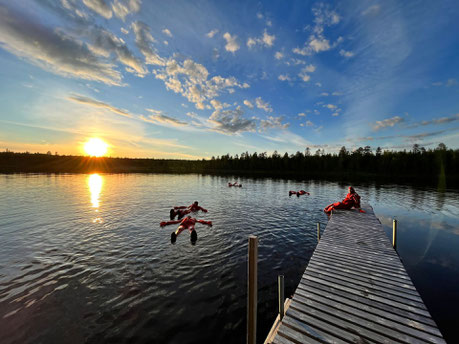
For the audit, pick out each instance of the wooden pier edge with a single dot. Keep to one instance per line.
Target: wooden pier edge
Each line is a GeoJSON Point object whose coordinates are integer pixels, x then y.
{"type": "Point", "coordinates": [355, 289]}
{"type": "Point", "coordinates": [273, 332]}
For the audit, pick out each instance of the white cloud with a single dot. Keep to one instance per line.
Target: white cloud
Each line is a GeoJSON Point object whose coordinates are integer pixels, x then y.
{"type": "Point", "coordinates": [248, 104]}
{"type": "Point", "coordinates": [335, 114]}
{"type": "Point", "coordinates": [98, 104]}
{"type": "Point", "coordinates": [231, 43]}
{"type": "Point", "coordinates": [251, 42]}
{"type": "Point", "coordinates": [158, 117]}
{"type": "Point", "coordinates": [100, 7]}
{"type": "Point", "coordinates": [123, 30]}
{"type": "Point", "coordinates": [144, 40]}
{"type": "Point", "coordinates": [389, 122]}
{"type": "Point", "coordinates": [259, 16]}
{"type": "Point", "coordinates": [261, 104]}
{"type": "Point", "coordinates": [191, 79]}
{"type": "Point", "coordinates": [105, 43]}
{"type": "Point", "coordinates": [337, 94]}
{"type": "Point", "coordinates": [317, 42]}
{"type": "Point", "coordinates": [324, 94]}
{"type": "Point", "coordinates": [303, 73]}
{"type": "Point", "coordinates": [167, 32]}
{"type": "Point", "coordinates": [284, 77]}
{"type": "Point", "coordinates": [309, 123]}
{"type": "Point", "coordinates": [266, 39]}
{"type": "Point", "coordinates": [302, 114]}
{"type": "Point", "coordinates": [372, 10]}
{"type": "Point", "coordinates": [330, 106]}
{"type": "Point", "coordinates": [278, 55]}
{"type": "Point", "coordinates": [52, 50]}
{"type": "Point", "coordinates": [318, 84]}
{"type": "Point", "coordinates": [231, 121]}
{"type": "Point", "coordinates": [212, 33]}
{"type": "Point", "coordinates": [310, 68]}
{"type": "Point", "coordinates": [122, 8]}
{"type": "Point", "coordinates": [273, 123]}
{"type": "Point", "coordinates": [346, 54]}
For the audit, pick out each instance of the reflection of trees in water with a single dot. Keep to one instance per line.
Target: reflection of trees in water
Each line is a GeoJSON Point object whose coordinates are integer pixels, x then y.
{"type": "Point", "coordinates": [440, 199]}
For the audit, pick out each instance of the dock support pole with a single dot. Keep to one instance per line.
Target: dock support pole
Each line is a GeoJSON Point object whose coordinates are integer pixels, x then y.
{"type": "Point", "coordinates": [252, 291]}
{"type": "Point", "coordinates": [394, 234]}
{"type": "Point", "coordinates": [280, 285]}
{"type": "Point", "coordinates": [318, 231]}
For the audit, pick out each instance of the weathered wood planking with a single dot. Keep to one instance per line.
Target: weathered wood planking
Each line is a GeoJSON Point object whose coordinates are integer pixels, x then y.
{"type": "Point", "coordinates": [355, 290]}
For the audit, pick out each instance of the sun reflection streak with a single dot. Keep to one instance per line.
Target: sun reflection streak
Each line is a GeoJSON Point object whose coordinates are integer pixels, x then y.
{"type": "Point", "coordinates": [95, 183]}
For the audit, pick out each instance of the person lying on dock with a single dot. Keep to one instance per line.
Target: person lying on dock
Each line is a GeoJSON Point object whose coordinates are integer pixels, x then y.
{"type": "Point", "coordinates": [352, 200]}
{"type": "Point", "coordinates": [187, 223]}
{"type": "Point", "coordinates": [298, 193]}
{"type": "Point", "coordinates": [183, 210]}
{"type": "Point", "coordinates": [235, 184]}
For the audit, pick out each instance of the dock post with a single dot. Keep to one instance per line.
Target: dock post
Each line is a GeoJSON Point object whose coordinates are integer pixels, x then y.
{"type": "Point", "coordinates": [280, 285]}
{"type": "Point", "coordinates": [252, 291]}
{"type": "Point", "coordinates": [394, 234]}
{"type": "Point", "coordinates": [318, 231]}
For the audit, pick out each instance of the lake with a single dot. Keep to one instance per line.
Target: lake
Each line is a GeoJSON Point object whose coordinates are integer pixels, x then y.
{"type": "Point", "coordinates": [83, 258]}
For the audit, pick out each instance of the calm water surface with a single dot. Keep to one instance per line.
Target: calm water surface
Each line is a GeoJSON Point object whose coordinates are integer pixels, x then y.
{"type": "Point", "coordinates": [83, 259]}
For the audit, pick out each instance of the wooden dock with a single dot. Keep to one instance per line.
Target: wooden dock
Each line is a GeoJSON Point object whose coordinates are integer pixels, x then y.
{"type": "Point", "coordinates": [355, 290]}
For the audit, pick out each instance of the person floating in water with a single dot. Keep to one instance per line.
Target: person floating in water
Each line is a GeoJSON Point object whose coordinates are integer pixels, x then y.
{"type": "Point", "coordinates": [184, 210]}
{"type": "Point", "coordinates": [298, 193]}
{"type": "Point", "coordinates": [187, 223]}
{"type": "Point", "coordinates": [352, 200]}
{"type": "Point", "coordinates": [236, 184]}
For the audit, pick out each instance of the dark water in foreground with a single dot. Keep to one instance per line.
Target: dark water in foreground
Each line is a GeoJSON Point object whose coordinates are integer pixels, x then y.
{"type": "Point", "coordinates": [83, 259]}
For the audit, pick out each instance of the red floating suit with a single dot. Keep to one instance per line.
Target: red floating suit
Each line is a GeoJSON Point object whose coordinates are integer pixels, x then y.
{"type": "Point", "coordinates": [352, 200]}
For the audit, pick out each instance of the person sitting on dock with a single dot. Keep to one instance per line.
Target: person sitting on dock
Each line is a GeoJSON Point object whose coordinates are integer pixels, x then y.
{"type": "Point", "coordinates": [298, 193]}
{"type": "Point", "coordinates": [235, 184]}
{"type": "Point", "coordinates": [352, 200]}
{"type": "Point", "coordinates": [187, 223]}
{"type": "Point", "coordinates": [183, 210]}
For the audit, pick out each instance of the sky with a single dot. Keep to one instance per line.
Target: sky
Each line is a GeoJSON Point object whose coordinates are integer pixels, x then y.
{"type": "Point", "coordinates": [196, 79]}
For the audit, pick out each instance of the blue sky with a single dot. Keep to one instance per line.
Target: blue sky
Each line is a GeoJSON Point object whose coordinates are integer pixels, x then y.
{"type": "Point", "coordinates": [195, 79]}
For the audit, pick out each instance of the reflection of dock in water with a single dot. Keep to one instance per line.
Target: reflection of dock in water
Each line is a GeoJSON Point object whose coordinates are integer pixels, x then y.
{"type": "Point", "coordinates": [355, 290]}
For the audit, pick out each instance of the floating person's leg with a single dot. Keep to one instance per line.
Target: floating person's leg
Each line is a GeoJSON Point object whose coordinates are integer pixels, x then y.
{"type": "Point", "coordinates": [193, 235]}
{"type": "Point", "coordinates": [175, 234]}
{"type": "Point", "coordinates": [172, 214]}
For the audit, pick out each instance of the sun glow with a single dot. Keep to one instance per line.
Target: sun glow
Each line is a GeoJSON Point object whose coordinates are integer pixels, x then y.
{"type": "Point", "coordinates": [96, 147]}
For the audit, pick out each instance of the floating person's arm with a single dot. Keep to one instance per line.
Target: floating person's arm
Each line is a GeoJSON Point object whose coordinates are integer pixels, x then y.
{"type": "Point", "coordinates": [181, 207]}
{"type": "Point", "coordinates": [209, 223]}
{"type": "Point", "coordinates": [166, 223]}
{"type": "Point", "coordinates": [202, 209]}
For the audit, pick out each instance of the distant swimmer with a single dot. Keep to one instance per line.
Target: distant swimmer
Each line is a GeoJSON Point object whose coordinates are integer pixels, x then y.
{"type": "Point", "coordinates": [236, 184]}
{"type": "Point", "coordinates": [184, 210]}
{"type": "Point", "coordinates": [187, 223]}
{"type": "Point", "coordinates": [352, 200]}
{"type": "Point", "coordinates": [298, 193]}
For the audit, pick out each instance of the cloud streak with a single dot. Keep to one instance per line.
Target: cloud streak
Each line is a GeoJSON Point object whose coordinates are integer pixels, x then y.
{"type": "Point", "coordinates": [53, 50]}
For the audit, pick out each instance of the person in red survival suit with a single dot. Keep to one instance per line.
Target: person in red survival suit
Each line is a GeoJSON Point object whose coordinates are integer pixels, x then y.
{"type": "Point", "coordinates": [352, 200]}
{"type": "Point", "coordinates": [235, 184]}
{"type": "Point", "coordinates": [184, 210]}
{"type": "Point", "coordinates": [298, 193]}
{"type": "Point", "coordinates": [187, 223]}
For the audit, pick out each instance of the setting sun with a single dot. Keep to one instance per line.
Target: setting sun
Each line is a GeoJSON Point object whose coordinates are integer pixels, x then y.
{"type": "Point", "coordinates": [96, 147]}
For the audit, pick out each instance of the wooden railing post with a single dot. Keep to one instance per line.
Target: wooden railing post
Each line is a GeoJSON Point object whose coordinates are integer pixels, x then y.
{"type": "Point", "coordinates": [318, 231]}
{"type": "Point", "coordinates": [394, 234]}
{"type": "Point", "coordinates": [280, 285]}
{"type": "Point", "coordinates": [252, 291]}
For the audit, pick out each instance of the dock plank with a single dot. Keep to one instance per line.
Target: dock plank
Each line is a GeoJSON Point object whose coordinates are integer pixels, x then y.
{"type": "Point", "coordinates": [355, 289]}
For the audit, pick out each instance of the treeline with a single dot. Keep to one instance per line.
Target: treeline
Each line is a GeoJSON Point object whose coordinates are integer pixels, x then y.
{"type": "Point", "coordinates": [436, 164]}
